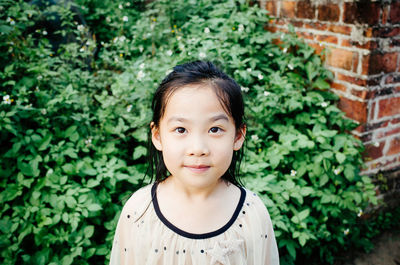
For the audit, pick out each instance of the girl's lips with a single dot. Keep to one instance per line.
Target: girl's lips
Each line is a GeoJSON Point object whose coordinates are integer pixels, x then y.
{"type": "Point", "coordinates": [197, 168]}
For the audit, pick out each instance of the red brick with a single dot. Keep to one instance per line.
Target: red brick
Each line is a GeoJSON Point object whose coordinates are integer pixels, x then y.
{"type": "Point", "coordinates": [368, 32]}
{"type": "Point", "coordinates": [390, 132]}
{"type": "Point", "coordinates": [385, 14]}
{"type": "Point", "coordinates": [315, 25]}
{"type": "Point", "coordinates": [327, 38]}
{"type": "Point", "coordinates": [328, 12]}
{"type": "Point", "coordinates": [271, 8]}
{"type": "Point", "coordinates": [395, 121]}
{"type": "Point", "coordinates": [394, 43]}
{"type": "Point", "coordinates": [355, 110]}
{"type": "Point", "coordinates": [385, 163]}
{"type": "Point", "coordinates": [394, 147]}
{"type": "Point", "coordinates": [374, 152]}
{"type": "Point", "coordinates": [395, 13]}
{"type": "Point", "coordinates": [352, 80]}
{"type": "Point", "coordinates": [391, 79]}
{"type": "Point", "coordinates": [338, 86]}
{"type": "Point", "coordinates": [372, 111]}
{"type": "Point", "coordinates": [297, 24]}
{"type": "Point", "coordinates": [305, 35]}
{"type": "Point", "coordinates": [340, 58]}
{"type": "Point", "coordinates": [340, 29]}
{"type": "Point", "coordinates": [355, 63]}
{"type": "Point", "coordinates": [377, 63]}
{"type": "Point", "coordinates": [368, 45]}
{"type": "Point", "coordinates": [385, 32]}
{"type": "Point", "coordinates": [305, 9]}
{"type": "Point", "coordinates": [288, 9]}
{"type": "Point", "coordinates": [318, 48]}
{"type": "Point", "coordinates": [361, 12]}
{"type": "Point", "coordinates": [389, 107]}
{"type": "Point", "coordinates": [362, 94]}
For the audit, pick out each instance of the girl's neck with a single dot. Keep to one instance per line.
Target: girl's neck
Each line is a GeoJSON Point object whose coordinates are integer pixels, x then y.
{"type": "Point", "coordinates": [193, 193]}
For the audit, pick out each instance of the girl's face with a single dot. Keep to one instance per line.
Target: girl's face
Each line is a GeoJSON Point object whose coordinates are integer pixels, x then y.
{"type": "Point", "coordinates": [197, 137]}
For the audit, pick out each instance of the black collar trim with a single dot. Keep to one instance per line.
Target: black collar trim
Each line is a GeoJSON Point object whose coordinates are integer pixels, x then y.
{"type": "Point", "coordinates": [191, 235]}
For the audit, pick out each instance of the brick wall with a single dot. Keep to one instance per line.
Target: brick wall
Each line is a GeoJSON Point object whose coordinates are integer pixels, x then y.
{"type": "Point", "coordinates": [362, 39]}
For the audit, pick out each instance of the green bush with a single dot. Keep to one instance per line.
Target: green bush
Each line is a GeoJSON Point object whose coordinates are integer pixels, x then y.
{"type": "Point", "coordinates": [74, 123]}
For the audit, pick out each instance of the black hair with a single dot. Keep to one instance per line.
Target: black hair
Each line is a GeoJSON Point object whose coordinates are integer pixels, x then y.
{"type": "Point", "coordinates": [229, 94]}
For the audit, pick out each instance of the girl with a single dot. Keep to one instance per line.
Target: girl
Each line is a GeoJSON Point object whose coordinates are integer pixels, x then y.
{"type": "Point", "coordinates": [196, 212]}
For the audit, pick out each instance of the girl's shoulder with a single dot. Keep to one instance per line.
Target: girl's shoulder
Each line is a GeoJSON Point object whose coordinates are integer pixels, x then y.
{"type": "Point", "coordinates": [255, 203]}
{"type": "Point", "coordinates": [139, 199]}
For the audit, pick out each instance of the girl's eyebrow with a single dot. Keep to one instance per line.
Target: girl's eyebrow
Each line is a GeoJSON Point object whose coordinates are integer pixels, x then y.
{"type": "Point", "coordinates": [212, 119]}
{"type": "Point", "coordinates": [219, 117]}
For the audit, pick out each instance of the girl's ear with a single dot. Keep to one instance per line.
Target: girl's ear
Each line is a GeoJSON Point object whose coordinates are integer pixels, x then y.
{"type": "Point", "coordinates": [155, 136]}
{"type": "Point", "coordinates": [240, 136]}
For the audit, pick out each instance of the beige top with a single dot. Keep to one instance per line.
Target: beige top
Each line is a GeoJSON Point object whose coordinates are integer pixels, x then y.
{"type": "Point", "coordinates": [145, 237]}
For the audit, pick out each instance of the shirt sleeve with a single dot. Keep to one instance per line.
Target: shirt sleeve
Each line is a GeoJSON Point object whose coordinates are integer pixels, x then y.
{"type": "Point", "coordinates": [265, 249]}
{"type": "Point", "coordinates": [121, 252]}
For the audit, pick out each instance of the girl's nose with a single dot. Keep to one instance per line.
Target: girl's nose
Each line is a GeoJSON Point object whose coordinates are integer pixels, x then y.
{"type": "Point", "coordinates": [198, 146]}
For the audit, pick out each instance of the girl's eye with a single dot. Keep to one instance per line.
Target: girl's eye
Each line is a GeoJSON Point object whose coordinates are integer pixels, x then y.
{"type": "Point", "coordinates": [180, 130]}
{"type": "Point", "coordinates": [215, 130]}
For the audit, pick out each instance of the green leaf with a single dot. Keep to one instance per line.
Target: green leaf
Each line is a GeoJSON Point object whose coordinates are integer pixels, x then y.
{"type": "Point", "coordinates": [88, 231]}
{"type": "Point", "coordinates": [139, 152]}
{"type": "Point", "coordinates": [45, 142]}
{"type": "Point", "coordinates": [94, 207]}
{"type": "Point", "coordinates": [340, 157]}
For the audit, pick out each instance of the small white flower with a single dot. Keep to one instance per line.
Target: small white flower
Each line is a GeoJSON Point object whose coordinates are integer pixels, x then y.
{"type": "Point", "coordinates": [376, 144]}
{"type": "Point", "coordinates": [324, 104]}
{"type": "Point", "coordinates": [120, 6]}
{"type": "Point", "coordinates": [129, 108]}
{"type": "Point", "coordinates": [141, 48]}
{"type": "Point", "coordinates": [245, 89]}
{"type": "Point", "coordinates": [122, 38]}
{"type": "Point", "coordinates": [266, 93]}
{"type": "Point", "coordinates": [293, 173]}
{"type": "Point", "coordinates": [290, 66]}
{"type": "Point", "coordinates": [169, 52]}
{"type": "Point", "coordinates": [346, 231]}
{"type": "Point", "coordinates": [141, 66]}
{"type": "Point", "coordinates": [82, 49]}
{"type": "Point", "coordinates": [206, 30]}
{"type": "Point", "coordinates": [140, 75]}
{"type": "Point", "coordinates": [202, 55]}
{"type": "Point", "coordinates": [360, 212]}
{"type": "Point", "coordinates": [125, 18]}
{"type": "Point", "coordinates": [6, 99]}
{"type": "Point", "coordinates": [40, 77]}
{"type": "Point", "coordinates": [254, 137]}
{"type": "Point", "coordinates": [81, 27]}
{"type": "Point", "coordinates": [108, 19]}
{"type": "Point", "coordinates": [248, 70]}
{"type": "Point", "coordinates": [88, 141]}
{"type": "Point", "coordinates": [270, 54]}
{"type": "Point", "coordinates": [43, 111]}
{"type": "Point", "coordinates": [179, 38]}
{"type": "Point", "coordinates": [336, 171]}
{"type": "Point", "coordinates": [240, 28]}
{"type": "Point", "coordinates": [260, 77]}
{"type": "Point", "coordinates": [44, 32]}
{"type": "Point", "coordinates": [128, 4]}
{"type": "Point", "coordinates": [284, 50]}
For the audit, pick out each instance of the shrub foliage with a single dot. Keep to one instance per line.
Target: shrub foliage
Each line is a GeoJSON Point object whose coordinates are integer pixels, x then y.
{"type": "Point", "coordinates": [75, 112]}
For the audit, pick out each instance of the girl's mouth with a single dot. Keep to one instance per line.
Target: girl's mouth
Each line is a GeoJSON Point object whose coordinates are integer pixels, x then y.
{"type": "Point", "coordinates": [197, 168]}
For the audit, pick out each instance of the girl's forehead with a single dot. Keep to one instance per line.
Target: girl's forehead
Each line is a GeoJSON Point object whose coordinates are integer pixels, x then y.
{"type": "Point", "coordinates": [194, 100]}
